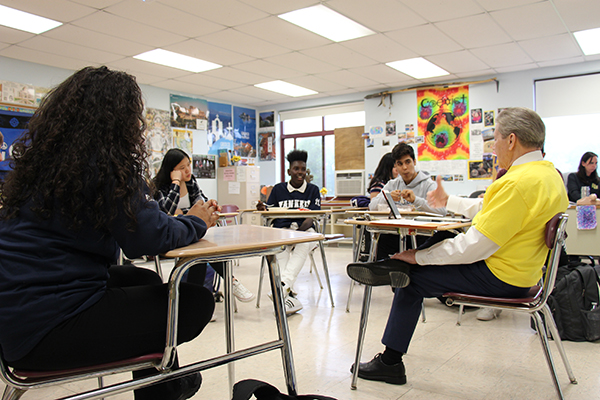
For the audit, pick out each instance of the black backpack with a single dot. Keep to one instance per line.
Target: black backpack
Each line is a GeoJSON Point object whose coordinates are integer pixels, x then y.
{"type": "Point", "coordinates": [245, 389]}
{"type": "Point", "coordinates": [575, 302]}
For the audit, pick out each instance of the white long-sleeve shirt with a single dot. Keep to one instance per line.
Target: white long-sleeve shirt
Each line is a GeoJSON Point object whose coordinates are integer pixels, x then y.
{"type": "Point", "coordinates": [472, 246]}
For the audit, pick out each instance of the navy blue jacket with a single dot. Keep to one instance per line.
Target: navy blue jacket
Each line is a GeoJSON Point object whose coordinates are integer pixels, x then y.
{"type": "Point", "coordinates": [281, 197]}
{"type": "Point", "coordinates": [49, 273]}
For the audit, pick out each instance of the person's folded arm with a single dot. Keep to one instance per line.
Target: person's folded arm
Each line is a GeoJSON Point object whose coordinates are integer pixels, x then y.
{"type": "Point", "coordinates": [464, 248]}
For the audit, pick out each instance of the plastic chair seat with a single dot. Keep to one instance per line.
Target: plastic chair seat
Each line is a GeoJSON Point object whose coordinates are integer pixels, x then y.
{"type": "Point", "coordinates": [532, 296]}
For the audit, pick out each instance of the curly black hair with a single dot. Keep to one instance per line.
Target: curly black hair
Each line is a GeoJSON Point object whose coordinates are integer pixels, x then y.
{"type": "Point", "coordinates": [297, 155]}
{"type": "Point", "coordinates": [83, 154]}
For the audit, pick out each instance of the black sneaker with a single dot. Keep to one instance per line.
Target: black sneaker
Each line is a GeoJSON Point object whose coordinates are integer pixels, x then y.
{"type": "Point", "coordinates": [376, 370]}
{"type": "Point", "coordinates": [189, 385]}
{"type": "Point", "coordinates": [380, 273]}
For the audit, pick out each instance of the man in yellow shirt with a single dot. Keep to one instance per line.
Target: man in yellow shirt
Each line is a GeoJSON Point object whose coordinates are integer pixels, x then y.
{"type": "Point", "coordinates": [501, 255]}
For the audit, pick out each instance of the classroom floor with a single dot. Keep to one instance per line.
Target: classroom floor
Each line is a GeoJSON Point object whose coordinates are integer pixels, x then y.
{"type": "Point", "coordinates": [500, 359]}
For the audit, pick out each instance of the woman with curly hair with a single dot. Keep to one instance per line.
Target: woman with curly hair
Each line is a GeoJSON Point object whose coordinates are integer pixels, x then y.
{"type": "Point", "coordinates": [176, 190]}
{"type": "Point", "coordinates": [62, 223]}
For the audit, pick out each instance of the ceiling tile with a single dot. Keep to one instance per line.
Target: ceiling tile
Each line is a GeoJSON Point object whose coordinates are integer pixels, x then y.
{"type": "Point", "coordinates": [208, 52]}
{"type": "Point", "coordinates": [59, 10]}
{"type": "Point", "coordinates": [167, 18]}
{"type": "Point", "coordinates": [339, 56]}
{"type": "Point", "coordinates": [301, 62]}
{"type": "Point", "coordinates": [564, 61]}
{"type": "Point", "coordinates": [579, 14]}
{"type": "Point", "coordinates": [13, 36]}
{"type": "Point", "coordinates": [474, 31]}
{"type": "Point", "coordinates": [551, 48]}
{"type": "Point", "coordinates": [236, 98]}
{"type": "Point", "coordinates": [347, 79]}
{"type": "Point", "coordinates": [424, 40]}
{"type": "Point", "coordinates": [269, 70]}
{"type": "Point", "coordinates": [263, 94]}
{"type": "Point", "coordinates": [240, 42]}
{"type": "Point", "coordinates": [34, 56]}
{"type": "Point", "coordinates": [377, 15]}
{"type": "Point", "coordinates": [502, 55]}
{"type": "Point", "coordinates": [474, 74]}
{"type": "Point", "coordinates": [98, 4]}
{"type": "Point", "coordinates": [236, 75]}
{"type": "Point", "coordinates": [443, 10]}
{"type": "Point", "coordinates": [380, 48]}
{"type": "Point", "coordinates": [225, 12]}
{"type": "Point", "coordinates": [70, 50]}
{"type": "Point", "coordinates": [282, 33]}
{"type": "Point", "coordinates": [382, 73]}
{"type": "Point", "coordinates": [276, 7]}
{"type": "Point", "coordinates": [492, 5]}
{"type": "Point", "coordinates": [317, 84]}
{"type": "Point", "coordinates": [140, 77]}
{"type": "Point", "coordinates": [458, 61]}
{"type": "Point", "coordinates": [211, 81]}
{"type": "Point", "coordinates": [134, 65]}
{"type": "Point", "coordinates": [529, 21]}
{"type": "Point", "coordinates": [3, 45]}
{"type": "Point", "coordinates": [95, 40]}
{"type": "Point", "coordinates": [129, 30]}
{"type": "Point", "coordinates": [183, 87]}
{"type": "Point", "coordinates": [514, 68]}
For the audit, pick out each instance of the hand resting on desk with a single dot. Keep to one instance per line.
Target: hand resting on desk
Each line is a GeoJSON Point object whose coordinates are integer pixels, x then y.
{"type": "Point", "coordinates": [207, 212]}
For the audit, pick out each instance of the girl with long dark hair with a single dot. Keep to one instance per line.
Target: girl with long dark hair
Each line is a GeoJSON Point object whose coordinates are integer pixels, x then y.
{"type": "Point", "coordinates": [176, 190]}
{"type": "Point", "coordinates": [384, 172]}
{"type": "Point", "coordinates": [586, 175]}
{"type": "Point", "coordinates": [76, 195]}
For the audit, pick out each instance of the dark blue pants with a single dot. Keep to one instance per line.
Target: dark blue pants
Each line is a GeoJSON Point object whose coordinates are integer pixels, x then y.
{"type": "Point", "coordinates": [434, 281]}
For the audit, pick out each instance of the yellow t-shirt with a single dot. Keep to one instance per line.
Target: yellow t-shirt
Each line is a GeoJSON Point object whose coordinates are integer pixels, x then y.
{"type": "Point", "coordinates": [515, 210]}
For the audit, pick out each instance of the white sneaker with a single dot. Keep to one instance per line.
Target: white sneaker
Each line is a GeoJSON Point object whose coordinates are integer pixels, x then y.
{"type": "Point", "coordinates": [488, 314]}
{"type": "Point", "coordinates": [241, 293]}
{"type": "Point", "coordinates": [292, 305]}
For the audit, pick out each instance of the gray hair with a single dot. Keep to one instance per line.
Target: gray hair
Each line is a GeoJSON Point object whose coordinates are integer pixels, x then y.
{"type": "Point", "coordinates": [526, 124]}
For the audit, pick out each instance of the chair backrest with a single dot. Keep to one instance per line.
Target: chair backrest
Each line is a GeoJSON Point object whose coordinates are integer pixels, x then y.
{"type": "Point", "coordinates": [476, 194]}
{"type": "Point", "coordinates": [229, 208]}
{"type": "Point", "coordinates": [555, 240]}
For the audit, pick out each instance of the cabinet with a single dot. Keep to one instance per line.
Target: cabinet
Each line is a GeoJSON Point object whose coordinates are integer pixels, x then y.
{"type": "Point", "coordinates": [239, 186]}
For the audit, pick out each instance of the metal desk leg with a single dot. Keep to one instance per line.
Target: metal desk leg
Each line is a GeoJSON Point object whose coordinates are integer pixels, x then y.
{"type": "Point", "coordinates": [260, 280]}
{"type": "Point", "coordinates": [356, 256]}
{"type": "Point", "coordinates": [282, 325]}
{"type": "Point", "coordinates": [229, 334]}
{"type": "Point", "coordinates": [364, 315]}
{"type": "Point", "coordinates": [326, 269]}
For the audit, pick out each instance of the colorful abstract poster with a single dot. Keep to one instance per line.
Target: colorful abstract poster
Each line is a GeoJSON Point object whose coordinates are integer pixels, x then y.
{"type": "Point", "coordinates": [188, 112]}
{"type": "Point", "coordinates": [183, 139]}
{"type": "Point", "coordinates": [158, 137]}
{"type": "Point", "coordinates": [443, 119]}
{"type": "Point", "coordinates": [244, 132]}
{"type": "Point", "coordinates": [220, 129]}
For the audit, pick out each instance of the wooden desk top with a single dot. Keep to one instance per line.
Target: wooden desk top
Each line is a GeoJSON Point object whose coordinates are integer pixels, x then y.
{"type": "Point", "coordinates": [271, 213]}
{"type": "Point", "coordinates": [236, 239]}
{"type": "Point", "coordinates": [380, 213]}
{"type": "Point", "coordinates": [228, 214]}
{"type": "Point", "coordinates": [394, 224]}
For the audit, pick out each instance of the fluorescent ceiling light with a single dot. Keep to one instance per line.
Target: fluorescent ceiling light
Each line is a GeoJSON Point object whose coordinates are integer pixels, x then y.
{"type": "Point", "coordinates": [288, 89]}
{"type": "Point", "coordinates": [176, 60]}
{"type": "Point", "coordinates": [418, 68]}
{"type": "Point", "coordinates": [24, 21]}
{"type": "Point", "coordinates": [589, 41]}
{"type": "Point", "coordinates": [326, 22]}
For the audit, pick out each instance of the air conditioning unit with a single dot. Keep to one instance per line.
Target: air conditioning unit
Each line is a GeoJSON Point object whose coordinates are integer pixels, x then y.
{"type": "Point", "coordinates": [350, 182]}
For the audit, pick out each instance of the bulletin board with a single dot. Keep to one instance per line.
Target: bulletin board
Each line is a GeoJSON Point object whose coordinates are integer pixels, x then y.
{"type": "Point", "coordinates": [13, 122]}
{"type": "Point", "coordinates": [349, 148]}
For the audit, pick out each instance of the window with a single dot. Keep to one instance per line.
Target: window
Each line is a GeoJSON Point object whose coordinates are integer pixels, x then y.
{"type": "Point", "coordinates": [315, 135]}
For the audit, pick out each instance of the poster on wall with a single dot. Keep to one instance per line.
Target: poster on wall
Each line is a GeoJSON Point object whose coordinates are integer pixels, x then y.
{"type": "Point", "coordinates": [183, 139]}
{"type": "Point", "coordinates": [204, 166]}
{"type": "Point", "coordinates": [443, 120]}
{"type": "Point", "coordinates": [13, 121]}
{"type": "Point", "coordinates": [476, 116]}
{"type": "Point", "coordinates": [158, 137]}
{"type": "Point", "coordinates": [481, 169]}
{"type": "Point", "coordinates": [244, 132]}
{"type": "Point", "coordinates": [266, 136]}
{"type": "Point", "coordinates": [390, 128]}
{"type": "Point", "coordinates": [188, 112]}
{"type": "Point", "coordinates": [220, 128]}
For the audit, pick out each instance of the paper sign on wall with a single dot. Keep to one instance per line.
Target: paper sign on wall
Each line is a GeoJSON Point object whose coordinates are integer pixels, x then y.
{"type": "Point", "coordinates": [229, 174]}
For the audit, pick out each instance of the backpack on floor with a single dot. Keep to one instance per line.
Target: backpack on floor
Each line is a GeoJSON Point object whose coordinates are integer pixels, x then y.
{"type": "Point", "coordinates": [575, 302]}
{"type": "Point", "coordinates": [244, 390]}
